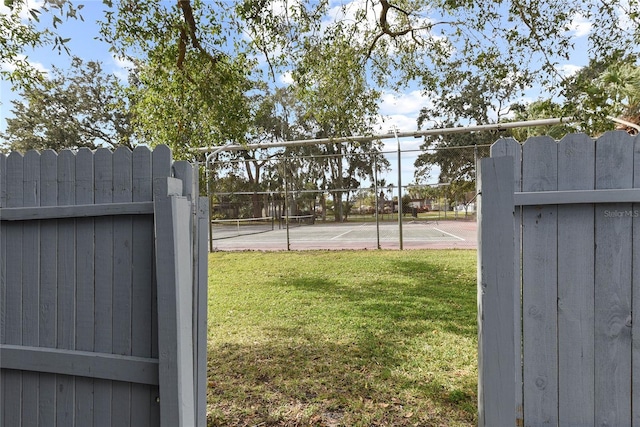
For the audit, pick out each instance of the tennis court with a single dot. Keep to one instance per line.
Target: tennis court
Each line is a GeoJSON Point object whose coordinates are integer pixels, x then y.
{"type": "Point", "coordinates": [416, 235]}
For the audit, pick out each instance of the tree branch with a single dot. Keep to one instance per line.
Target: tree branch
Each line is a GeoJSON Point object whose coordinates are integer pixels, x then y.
{"type": "Point", "coordinates": [189, 34]}
{"type": "Point", "coordinates": [384, 23]}
{"type": "Point", "coordinates": [385, 27]}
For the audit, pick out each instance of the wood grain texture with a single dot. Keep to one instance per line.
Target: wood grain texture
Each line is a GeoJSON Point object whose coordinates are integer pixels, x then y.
{"type": "Point", "coordinates": [565, 197]}
{"type": "Point", "coordinates": [576, 171]}
{"type": "Point", "coordinates": [48, 336]}
{"type": "Point", "coordinates": [85, 290]}
{"type": "Point", "coordinates": [85, 364]}
{"type": "Point", "coordinates": [142, 396]}
{"type": "Point", "coordinates": [76, 211]}
{"type": "Point", "coordinates": [12, 380]}
{"type": "Point", "coordinates": [496, 366]}
{"type": "Point", "coordinates": [161, 163]}
{"type": "Point", "coordinates": [635, 292]}
{"type": "Point", "coordinates": [30, 284]}
{"type": "Point", "coordinates": [79, 329]}
{"type": "Point", "coordinates": [614, 169]}
{"type": "Point", "coordinates": [174, 278]}
{"type": "Point", "coordinates": [103, 333]}
{"type": "Point", "coordinates": [509, 147]}
{"type": "Point", "coordinates": [66, 254]}
{"type": "Point", "coordinates": [540, 285]}
{"type": "Point", "coordinates": [122, 276]}
{"type": "Point", "coordinates": [3, 267]}
{"type": "Point", "coordinates": [201, 307]}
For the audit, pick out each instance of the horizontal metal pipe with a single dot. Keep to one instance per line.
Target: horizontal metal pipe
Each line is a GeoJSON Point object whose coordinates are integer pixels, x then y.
{"type": "Point", "coordinates": [415, 134]}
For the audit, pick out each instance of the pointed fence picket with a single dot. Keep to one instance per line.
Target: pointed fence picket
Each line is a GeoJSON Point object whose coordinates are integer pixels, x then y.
{"type": "Point", "coordinates": [559, 238]}
{"type": "Point", "coordinates": [90, 242]}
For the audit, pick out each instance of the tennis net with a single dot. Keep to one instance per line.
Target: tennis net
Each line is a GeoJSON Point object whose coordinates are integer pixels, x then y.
{"type": "Point", "coordinates": [227, 228]}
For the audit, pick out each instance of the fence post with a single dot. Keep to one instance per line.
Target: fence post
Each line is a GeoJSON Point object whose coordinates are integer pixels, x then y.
{"type": "Point", "coordinates": [174, 281]}
{"type": "Point", "coordinates": [3, 252]}
{"type": "Point", "coordinates": [200, 216]}
{"type": "Point", "coordinates": [201, 309]}
{"type": "Point", "coordinates": [496, 276]}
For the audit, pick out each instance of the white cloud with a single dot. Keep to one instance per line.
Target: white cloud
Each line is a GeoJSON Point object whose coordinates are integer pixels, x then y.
{"type": "Point", "coordinates": [568, 70]}
{"type": "Point", "coordinates": [24, 15]}
{"type": "Point", "coordinates": [580, 26]}
{"type": "Point", "coordinates": [122, 67]}
{"type": "Point", "coordinates": [286, 78]}
{"type": "Point", "coordinates": [347, 11]}
{"type": "Point", "coordinates": [404, 105]}
{"type": "Point", "coordinates": [22, 58]}
{"type": "Point", "coordinates": [401, 111]}
{"type": "Point", "coordinates": [624, 21]}
{"type": "Point", "coordinates": [24, 12]}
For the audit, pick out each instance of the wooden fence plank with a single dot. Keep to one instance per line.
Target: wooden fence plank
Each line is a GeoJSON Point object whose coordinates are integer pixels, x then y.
{"type": "Point", "coordinates": [3, 266]}
{"type": "Point", "coordinates": [122, 240]}
{"type": "Point", "coordinates": [161, 168]}
{"type": "Point", "coordinates": [174, 275]}
{"type": "Point", "coordinates": [614, 169]}
{"type": "Point", "coordinates": [511, 147]}
{"type": "Point", "coordinates": [103, 181]}
{"type": "Point", "coordinates": [496, 366]}
{"type": "Point", "coordinates": [65, 397]}
{"type": "Point", "coordinates": [48, 280]}
{"type": "Point", "coordinates": [567, 197]}
{"type": "Point", "coordinates": [161, 162]}
{"type": "Point", "coordinates": [576, 171]}
{"type": "Point", "coordinates": [539, 285]}
{"type": "Point", "coordinates": [81, 363]}
{"type": "Point", "coordinates": [635, 291]}
{"type": "Point", "coordinates": [201, 307]}
{"type": "Point", "coordinates": [85, 293]}
{"type": "Point", "coordinates": [82, 317]}
{"type": "Point", "coordinates": [12, 381]}
{"type": "Point", "coordinates": [200, 214]}
{"type": "Point", "coordinates": [142, 397]}
{"type": "Point", "coordinates": [77, 211]}
{"type": "Point", "coordinates": [30, 284]}
{"type": "Point", "coordinates": [3, 180]}
{"type": "Point", "coordinates": [185, 172]}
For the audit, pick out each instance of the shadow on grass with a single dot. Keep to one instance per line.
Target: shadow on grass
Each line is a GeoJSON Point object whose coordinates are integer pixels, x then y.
{"type": "Point", "coordinates": [294, 381]}
{"type": "Point", "coordinates": [356, 355]}
{"type": "Point", "coordinates": [430, 294]}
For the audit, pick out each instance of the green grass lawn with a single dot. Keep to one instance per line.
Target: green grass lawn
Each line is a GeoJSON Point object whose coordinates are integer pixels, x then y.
{"type": "Point", "coordinates": [342, 338]}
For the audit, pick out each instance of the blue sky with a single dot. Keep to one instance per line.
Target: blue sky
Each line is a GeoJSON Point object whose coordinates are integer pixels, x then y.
{"type": "Point", "coordinates": [399, 110]}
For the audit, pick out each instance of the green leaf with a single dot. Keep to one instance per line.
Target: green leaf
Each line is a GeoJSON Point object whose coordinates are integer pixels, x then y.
{"type": "Point", "coordinates": [34, 13]}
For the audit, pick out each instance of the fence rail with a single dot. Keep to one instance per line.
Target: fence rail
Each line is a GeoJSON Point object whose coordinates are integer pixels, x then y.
{"type": "Point", "coordinates": [559, 237]}
{"type": "Point", "coordinates": [102, 287]}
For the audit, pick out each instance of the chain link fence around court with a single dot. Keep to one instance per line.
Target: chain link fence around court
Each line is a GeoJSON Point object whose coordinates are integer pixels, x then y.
{"type": "Point", "coordinates": [280, 199]}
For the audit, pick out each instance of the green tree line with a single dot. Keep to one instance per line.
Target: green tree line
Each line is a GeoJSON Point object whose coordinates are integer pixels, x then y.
{"type": "Point", "coordinates": [205, 73]}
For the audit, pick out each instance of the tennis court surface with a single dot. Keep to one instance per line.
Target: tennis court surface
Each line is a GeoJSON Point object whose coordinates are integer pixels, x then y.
{"type": "Point", "coordinates": [416, 235]}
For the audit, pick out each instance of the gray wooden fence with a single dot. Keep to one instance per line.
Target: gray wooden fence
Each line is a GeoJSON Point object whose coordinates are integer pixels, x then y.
{"type": "Point", "coordinates": [103, 279]}
{"type": "Point", "coordinates": [559, 239]}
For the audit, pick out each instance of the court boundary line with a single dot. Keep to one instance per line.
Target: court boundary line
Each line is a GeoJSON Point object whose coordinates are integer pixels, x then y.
{"type": "Point", "coordinates": [345, 233]}
{"type": "Point", "coordinates": [450, 234]}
